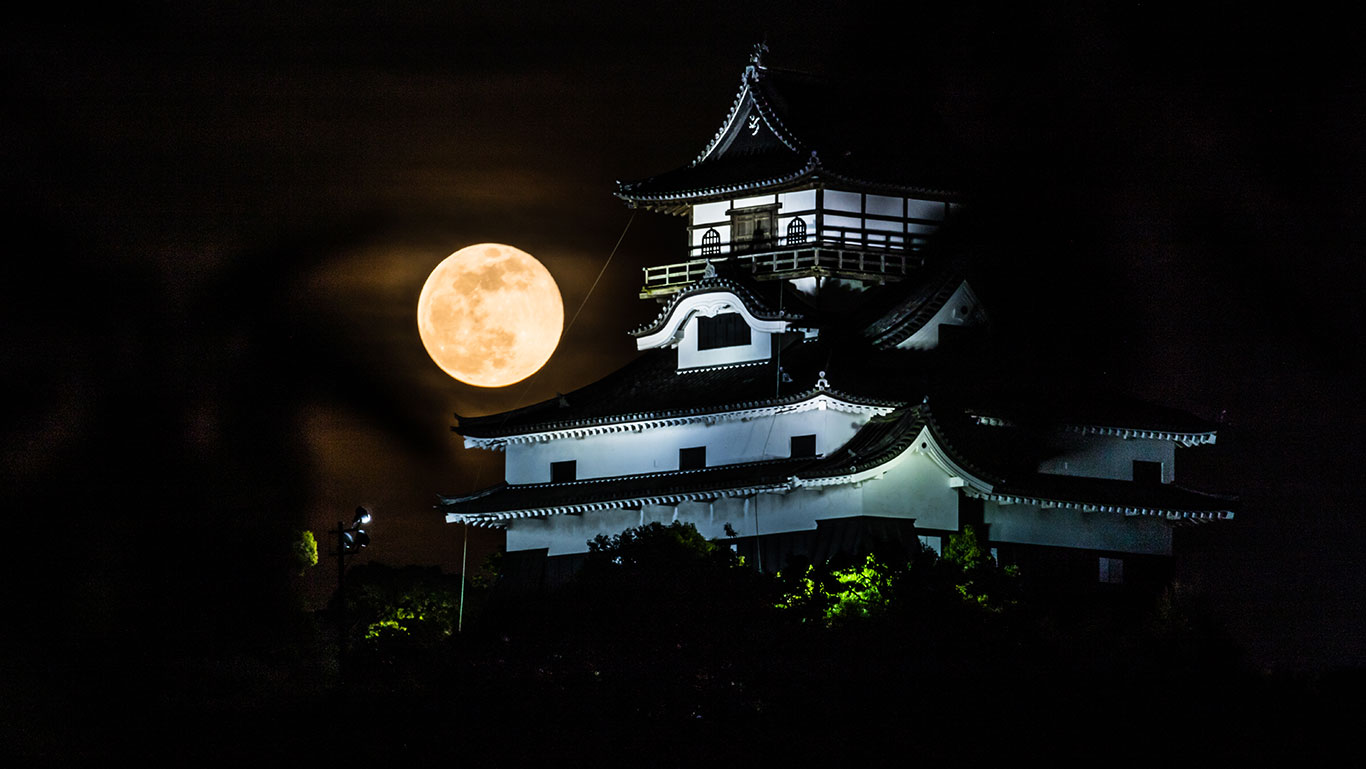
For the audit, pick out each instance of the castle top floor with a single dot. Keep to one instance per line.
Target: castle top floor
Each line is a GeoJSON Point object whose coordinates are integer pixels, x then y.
{"type": "Point", "coordinates": [795, 185]}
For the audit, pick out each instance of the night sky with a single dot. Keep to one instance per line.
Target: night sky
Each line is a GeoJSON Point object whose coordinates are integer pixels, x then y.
{"type": "Point", "coordinates": [221, 216]}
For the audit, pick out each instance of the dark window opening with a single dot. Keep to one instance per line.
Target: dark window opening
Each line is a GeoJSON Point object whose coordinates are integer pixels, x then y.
{"type": "Point", "coordinates": [728, 329]}
{"type": "Point", "coordinates": [796, 232]}
{"type": "Point", "coordinates": [753, 229]}
{"type": "Point", "coordinates": [711, 242]}
{"type": "Point", "coordinates": [1112, 570]}
{"type": "Point", "coordinates": [563, 471]}
{"type": "Point", "coordinates": [1147, 472]}
{"type": "Point", "coordinates": [694, 458]}
{"type": "Point", "coordinates": [803, 445]}
{"type": "Point", "coordinates": [972, 512]}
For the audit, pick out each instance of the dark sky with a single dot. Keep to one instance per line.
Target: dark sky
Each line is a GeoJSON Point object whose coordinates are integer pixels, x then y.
{"type": "Point", "coordinates": [221, 215]}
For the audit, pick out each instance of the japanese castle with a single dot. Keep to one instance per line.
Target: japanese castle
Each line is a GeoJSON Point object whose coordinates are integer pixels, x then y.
{"type": "Point", "coordinates": [809, 386]}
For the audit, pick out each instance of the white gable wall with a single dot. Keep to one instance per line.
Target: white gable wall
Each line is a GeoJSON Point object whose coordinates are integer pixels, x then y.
{"type": "Point", "coordinates": [760, 347]}
{"type": "Point", "coordinates": [680, 330]}
{"type": "Point", "coordinates": [962, 309]}
{"type": "Point", "coordinates": [914, 487]}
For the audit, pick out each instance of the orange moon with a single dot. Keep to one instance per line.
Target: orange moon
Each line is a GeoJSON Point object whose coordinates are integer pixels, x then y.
{"type": "Point", "coordinates": [490, 315]}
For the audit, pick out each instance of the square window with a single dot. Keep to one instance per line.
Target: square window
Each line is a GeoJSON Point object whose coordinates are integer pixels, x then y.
{"type": "Point", "coordinates": [694, 458]}
{"type": "Point", "coordinates": [803, 446]}
{"type": "Point", "coordinates": [561, 472]}
{"type": "Point", "coordinates": [1147, 472]}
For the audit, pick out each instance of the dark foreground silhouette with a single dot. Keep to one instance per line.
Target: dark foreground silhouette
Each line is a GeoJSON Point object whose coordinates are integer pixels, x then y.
{"type": "Point", "coordinates": [667, 650]}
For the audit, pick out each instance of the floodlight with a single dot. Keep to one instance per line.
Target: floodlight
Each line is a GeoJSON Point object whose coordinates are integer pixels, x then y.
{"type": "Point", "coordinates": [362, 516]}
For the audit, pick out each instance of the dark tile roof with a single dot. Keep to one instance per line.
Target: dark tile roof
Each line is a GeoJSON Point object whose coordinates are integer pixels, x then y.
{"type": "Point", "coordinates": [663, 486]}
{"type": "Point", "coordinates": [917, 306]}
{"type": "Point", "coordinates": [1107, 494]}
{"type": "Point", "coordinates": [807, 137]}
{"type": "Point", "coordinates": [650, 387]}
{"type": "Point", "coordinates": [1085, 409]}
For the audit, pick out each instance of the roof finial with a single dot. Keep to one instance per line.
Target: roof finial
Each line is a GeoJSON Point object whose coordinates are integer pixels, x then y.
{"type": "Point", "coordinates": [756, 59]}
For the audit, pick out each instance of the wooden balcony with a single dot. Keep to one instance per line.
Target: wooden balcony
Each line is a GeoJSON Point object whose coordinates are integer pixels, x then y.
{"type": "Point", "coordinates": [875, 261]}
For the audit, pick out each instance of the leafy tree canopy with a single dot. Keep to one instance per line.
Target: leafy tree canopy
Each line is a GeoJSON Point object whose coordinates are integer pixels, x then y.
{"type": "Point", "coordinates": [304, 550]}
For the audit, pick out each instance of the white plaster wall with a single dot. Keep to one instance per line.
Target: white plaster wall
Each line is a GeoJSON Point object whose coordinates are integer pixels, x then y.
{"type": "Point", "coordinates": [761, 514]}
{"type": "Point", "coordinates": [835, 221]}
{"type": "Point", "coordinates": [884, 205]}
{"type": "Point", "coordinates": [799, 200]}
{"type": "Point", "coordinates": [760, 347]}
{"type": "Point", "coordinates": [914, 487]}
{"type": "Point", "coordinates": [925, 209]}
{"type": "Point", "coordinates": [711, 213]}
{"type": "Point", "coordinates": [836, 200]}
{"type": "Point", "coordinates": [1031, 525]}
{"type": "Point", "coordinates": [656, 450]}
{"type": "Point", "coordinates": [1105, 456]}
{"type": "Point", "coordinates": [756, 200]}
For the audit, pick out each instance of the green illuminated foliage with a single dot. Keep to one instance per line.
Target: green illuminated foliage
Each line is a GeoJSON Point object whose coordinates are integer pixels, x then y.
{"type": "Point", "coordinates": [304, 551]}
{"type": "Point", "coordinates": [411, 604]}
{"type": "Point", "coordinates": [897, 585]}
{"type": "Point", "coordinates": [841, 594]}
{"type": "Point", "coordinates": [965, 551]}
{"type": "Point", "coordinates": [978, 579]}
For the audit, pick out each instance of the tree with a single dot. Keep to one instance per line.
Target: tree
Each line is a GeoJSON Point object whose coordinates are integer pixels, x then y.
{"type": "Point", "coordinates": [834, 594]}
{"type": "Point", "coordinates": [304, 550]}
{"type": "Point", "coordinates": [977, 578]}
{"type": "Point", "coordinates": [407, 605]}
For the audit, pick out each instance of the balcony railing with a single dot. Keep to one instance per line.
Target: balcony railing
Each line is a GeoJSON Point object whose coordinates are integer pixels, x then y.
{"type": "Point", "coordinates": [847, 238]}
{"type": "Point", "coordinates": [834, 259]}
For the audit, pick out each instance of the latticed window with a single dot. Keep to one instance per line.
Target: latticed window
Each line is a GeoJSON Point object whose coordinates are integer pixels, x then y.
{"type": "Point", "coordinates": [796, 232]}
{"type": "Point", "coordinates": [725, 330]}
{"type": "Point", "coordinates": [711, 242]}
{"type": "Point", "coordinates": [754, 228]}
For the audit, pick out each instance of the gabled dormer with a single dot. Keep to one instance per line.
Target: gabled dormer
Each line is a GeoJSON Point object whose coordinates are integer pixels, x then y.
{"type": "Point", "coordinates": [718, 321]}
{"type": "Point", "coordinates": [784, 191]}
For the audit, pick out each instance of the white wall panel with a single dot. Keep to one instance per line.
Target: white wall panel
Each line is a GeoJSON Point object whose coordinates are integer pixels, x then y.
{"type": "Point", "coordinates": [884, 205]}
{"type": "Point", "coordinates": [800, 200]}
{"type": "Point", "coordinates": [710, 213]}
{"type": "Point", "coordinates": [843, 201]}
{"type": "Point", "coordinates": [656, 450]}
{"type": "Point", "coordinates": [925, 209]}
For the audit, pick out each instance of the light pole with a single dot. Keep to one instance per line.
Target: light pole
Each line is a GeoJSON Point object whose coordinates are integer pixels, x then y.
{"type": "Point", "coordinates": [349, 541]}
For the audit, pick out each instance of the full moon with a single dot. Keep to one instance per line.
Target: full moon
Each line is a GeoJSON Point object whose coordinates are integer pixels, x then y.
{"type": "Point", "coordinates": [490, 315]}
